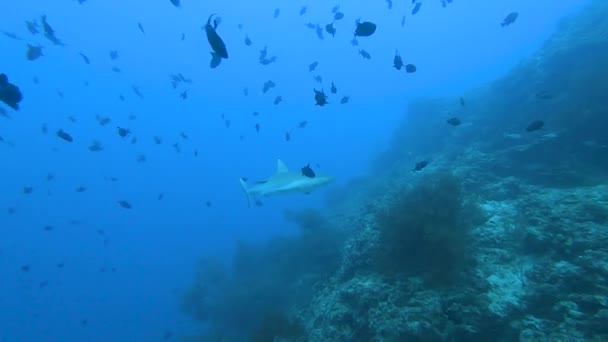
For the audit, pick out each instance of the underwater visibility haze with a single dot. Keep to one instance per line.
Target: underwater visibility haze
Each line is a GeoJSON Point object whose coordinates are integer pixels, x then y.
{"type": "Point", "coordinates": [426, 170]}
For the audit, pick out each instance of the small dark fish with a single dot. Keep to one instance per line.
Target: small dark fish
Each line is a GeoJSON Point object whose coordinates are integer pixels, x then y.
{"type": "Point", "coordinates": [276, 13]}
{"type": "Point", "coordinates": [113, 55]}
{"type": "Point", "coordinates": [287, 136]}
{"type": "Point", "coordinates": [420, 165]}
{"type": "Point", "coordinates": [311, 26]}
{"type": "Point", "coordinates": [335, 9]}
{"type": "Point", "coordinates": [535, 125]}
{"type": "Point", "coordinates": [397, 61]}
{"type": "Point", "coordinates": [303, 10]}
{"type": "Point", "coordinates": [217, 44]}
{"type": "Point", "coordinates": [44, 128]}
{"type": "Point", "coordinates": [137, 91]}
{"type": "Point", "coordinates": [247, 41]}
{"type": "Point", "coordinates": [28, 190]}
{"type": "Point", "coordinates": [454, 121]}
{"type": "Point", "coordinates": [333, 88]}
{"type": "Point", "coordinates": [125, 204]}
{"type": "Point", "coordinates": [158, 140]}
{"type": "Point", "coordinates": [267, 61]}
{"type": "Point", "coordinates": [257, 127]}
{"type": "Point", "coordinates": [103, 120]}
{"type": "Point", "coordinates": [319, 31]}
{"type": "Point", "coordinates": [116, 69]}
{"type": "Point", "coordinates": [509, 19]}
{"type": "Point", "coordinates": [312, 66]}
{"type": "Point", "coordinates": [403, 21]}
{"type": "Point", "coordinates": [184, 94]}
{"type": "Point", "coordinates": [123, 132]}
{"type": "Point", "coordinates": [278, 99]}
{"type": "Point", "coordinates": [416, 8]}
{"type": "Point", "coordinates": [390, 4]}
{"type": "Point", "coordinates": [544, 95]}
{"type": "Point", "coordinates": [267, 86]}
{"type": "Point", "coordinates": [330, 29]}
{"type": "Point", "coordinates": [81, 189]}
{"type": "Point", "coordinates": [9, 93]}
{"type": "Point", "coordinates": [141, 28]}
{"type": "Point", "coordinates": [32, 26]}
{"type": "Point", "coordinates": [365, 54]}
{"type": "Point", "coordinates": [64, 135]}
{"type": "Point", "coordinates": [344, 100]}
{"type": "Point", "coordinates": [208, 204]}
{"type": "Point", "coordinates": [95, 146]}
{"type": "Point", "coordinates": [319, 79]}
{"type": "Point", "coordinates": [11, 35]}
{"type": "Point", "coordinates": [364, 29]}
{"type": "Point", "coordinates": [308, 171]}
{"type": "Point", "coordinates": [462, 103]}
{"type": "Point", "coordinates": [85, 58]}
{"type": "Point", "coordinates": [33, 52]}
{"type": "Point", "coordinates": [175, 3]}
{"type": "Point", "coordinates": [338, 16]}
{"type": "Point", "coordinates": [303, 124]}
{"type": "Point", "coordinates": [245, 91]}
{"type": "Point", "coordinates": [354, 42]}
{"type": "Point", "coordinates": [25, 268]}
{"type": "Point", "coordinates": [320, 98]}
{"type": "Point", "coordinates": [258, 203]}
{"type": "Point", "coordinates": [410, 68]}
{"type": "Point", "coordinates": [141, 158]}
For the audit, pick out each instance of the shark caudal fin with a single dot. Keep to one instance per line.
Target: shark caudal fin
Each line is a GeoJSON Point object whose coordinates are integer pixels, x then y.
{"type": "Point", "coordinates": [246, 190]}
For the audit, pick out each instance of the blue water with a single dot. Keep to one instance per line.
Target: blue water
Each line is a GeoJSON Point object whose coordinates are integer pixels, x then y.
{"type": "Point", "coordinates": [105, 273]}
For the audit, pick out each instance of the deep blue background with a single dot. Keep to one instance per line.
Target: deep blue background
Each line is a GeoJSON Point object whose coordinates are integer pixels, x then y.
{"type": "Point", "coordinates": [126, 282]}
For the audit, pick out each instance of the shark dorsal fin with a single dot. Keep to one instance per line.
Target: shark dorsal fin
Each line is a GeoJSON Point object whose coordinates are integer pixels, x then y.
{"type": "Point", "coordinates": [281, 167]}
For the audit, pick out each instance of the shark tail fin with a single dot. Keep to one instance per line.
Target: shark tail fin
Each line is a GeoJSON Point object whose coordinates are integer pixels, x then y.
{"type": "Point", "coordinates": [246, 190]}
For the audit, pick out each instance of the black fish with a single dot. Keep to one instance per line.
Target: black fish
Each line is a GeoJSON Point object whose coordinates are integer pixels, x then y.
{"type": "Point", "coordinates": [397, 61]}
{"type": "Point", "coordinates": [320, 98]}
{"type": "Point", "coordinates": [454, 121]}
{"type": "Point", "coordinates": [509, 19]}
{"type": "Point", "coordinates": [344, 99]}
{"type": "Point", "coordinates": [287, 136]}
{"type": "Point", "coordinates": [365, 54]}
{"type": "Point", "coordinates": [175, 3]}
{"type": "Point", "coordinates": [141, 28]}
{"type": "Point", "coordinates": [338, 16]}
{"type": "Point", "coordinates": [462, 103]}
{"type": "Point", "coordinates": [303, 10]}
{"type": "Point", "coordinates": [364, 29]}
{"type": "Point", "coordinates": [217, 44]}
{"type": "Point", "coordinates": [33, 52]}
{"type": "Point", "coordinates": [535, 125]}
{"type": "Point", "coordinates": [125, 204]}
{"type": "Point", "coordinates": [416, 8]}
{"type": "Point", "coordinates": [330, 29]}
{"type": "Point", "coordinates": [333, 88]}
{"type": "Point", "coordinates": [123, 132]}
{"type": "Point", "coordinates": [85, 58]}
{"type": "Point", "coordinates": [308, 171]}
{"type": "Point", "coordinates": [312, 66]}
{"type": "Point", "coordinates": [420, 165]}
{"type": "Point", "coordinates": [410, 68]}
{"type": "Point", "coordinates": [9, 93]}
{"type": "Point", "coordinates": [64, 135]}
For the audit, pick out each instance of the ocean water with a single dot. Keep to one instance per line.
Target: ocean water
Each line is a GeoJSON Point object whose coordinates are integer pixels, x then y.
{"type": "Point", "coordinates": [152, 240]}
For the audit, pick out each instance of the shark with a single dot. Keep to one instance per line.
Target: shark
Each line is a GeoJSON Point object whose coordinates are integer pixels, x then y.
{"type": "Point", "coordinates": [284, 182]}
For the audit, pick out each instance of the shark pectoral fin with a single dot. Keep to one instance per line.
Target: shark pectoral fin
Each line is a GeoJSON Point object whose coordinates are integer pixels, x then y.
{"type": "Point", "coordinates": [246, 190]}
